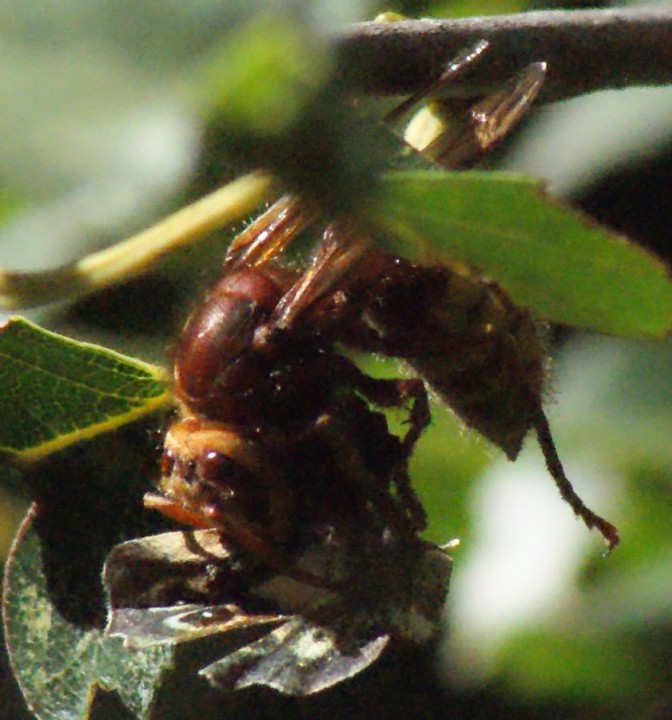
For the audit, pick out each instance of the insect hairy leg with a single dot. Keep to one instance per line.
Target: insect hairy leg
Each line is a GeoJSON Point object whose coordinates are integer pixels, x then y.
{"type": "Point", "coordinates": [557, 472]}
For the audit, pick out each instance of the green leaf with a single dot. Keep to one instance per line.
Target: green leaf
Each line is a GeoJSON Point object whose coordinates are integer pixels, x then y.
{"type": "Point", "coordinates": [56, 683]}
{"type": "Point", "coordinates": [59, 659]}
{"type": "Point", "coordinates": [261, 76]}
{"type": "Point", "coordinates": [273, 100]}
{"type": "Point", "coordinates": [57, 391]}
{"type": "Point", "coordinates": [549, 258]}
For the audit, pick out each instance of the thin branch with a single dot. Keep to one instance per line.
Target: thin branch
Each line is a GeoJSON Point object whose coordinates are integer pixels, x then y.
{"type": "Point", "coordinates": [133, 256]}
{"type": "Point", "coordinates": [586, 50]}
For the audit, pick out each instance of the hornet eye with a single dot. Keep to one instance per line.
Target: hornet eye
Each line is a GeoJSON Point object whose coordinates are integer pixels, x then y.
{"type": "Point", "coordinates": [237, 484]}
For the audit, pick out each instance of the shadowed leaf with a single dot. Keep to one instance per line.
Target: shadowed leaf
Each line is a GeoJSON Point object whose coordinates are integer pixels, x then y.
{"type": "Point", "coordinates": [549, 258]}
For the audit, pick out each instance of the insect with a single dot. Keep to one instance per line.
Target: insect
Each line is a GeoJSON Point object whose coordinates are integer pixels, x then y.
{"type": "Point", "coordinates": [475, 348]}
{"type": "Point", "coordinates": [455, 133]}
{"type": "Point", "coordinates": [275, 436]}
{"type": "Point", "coordinates": [260, 383]}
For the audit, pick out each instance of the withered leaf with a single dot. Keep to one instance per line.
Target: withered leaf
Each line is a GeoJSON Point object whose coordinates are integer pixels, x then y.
{"type": "Point", "coordinates": [276, 630]}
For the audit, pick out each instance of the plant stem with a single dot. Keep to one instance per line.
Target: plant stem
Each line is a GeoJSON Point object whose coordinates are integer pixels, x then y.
{"type": "Point", "coordinates": [133, 256]}
{"type": "Point", "coordinates": [586, 50]}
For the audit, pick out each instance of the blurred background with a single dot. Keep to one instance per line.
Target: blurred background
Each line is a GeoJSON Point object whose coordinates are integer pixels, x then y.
{"type": "Point", "coordinates": [102, 138]}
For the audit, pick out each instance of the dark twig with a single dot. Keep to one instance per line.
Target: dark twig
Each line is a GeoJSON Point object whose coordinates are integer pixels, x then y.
{"type": "Point", "coordinates": [585, 51]}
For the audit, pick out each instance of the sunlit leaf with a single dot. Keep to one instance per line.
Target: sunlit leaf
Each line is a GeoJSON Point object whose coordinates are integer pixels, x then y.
{"type": "Point", "coordinates": [549, 258]}
{"type": "Point", "coordinates": [57, 391]}
{"type": "Point", "coordinates": [58, 662]}
{"type": "Point", "coordinates": [51, 658]}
